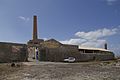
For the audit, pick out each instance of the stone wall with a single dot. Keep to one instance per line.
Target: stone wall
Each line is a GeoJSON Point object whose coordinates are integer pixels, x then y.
{"type": "Point", "coordinates": [58, 54]}
{"type": "Point", "coordinates": [96, 56]}
{"type": "Point", "coordinates": [52, 43]}
{"type": "Point", "coordinates": [54, 51]}
{"type": "Point", "coordinates": [13, 52]}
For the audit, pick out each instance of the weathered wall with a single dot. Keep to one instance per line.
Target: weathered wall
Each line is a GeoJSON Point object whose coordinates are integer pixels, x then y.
{"type": "Point", "coordinates": [10, 52]}
{"type": "Point", "coordinates": [58, 54]}
{"type": "Point", "coordinates": [51, 44]}
{"type": "Point", "coordinates": [52, 50]}
{"type": "Point", "coordinates": [96, 56]}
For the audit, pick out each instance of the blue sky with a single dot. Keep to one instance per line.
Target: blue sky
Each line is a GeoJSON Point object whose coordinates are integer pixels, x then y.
{"type": "Point", "coordinates": [88, 23]}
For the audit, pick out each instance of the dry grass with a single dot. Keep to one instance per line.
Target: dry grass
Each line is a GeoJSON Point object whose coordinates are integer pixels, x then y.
{"type": "Point", "coordinates": [6, 69]}
{"type": "Point", "coordinates": [107, 70]}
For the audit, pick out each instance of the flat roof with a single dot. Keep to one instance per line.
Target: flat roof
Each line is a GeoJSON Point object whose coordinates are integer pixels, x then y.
{"type": "Point", "coordinates": [91, 48]}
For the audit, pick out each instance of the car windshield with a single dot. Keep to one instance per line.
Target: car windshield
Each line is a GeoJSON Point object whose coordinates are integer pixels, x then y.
{"type": "Point", "coordinates": [71, 58]}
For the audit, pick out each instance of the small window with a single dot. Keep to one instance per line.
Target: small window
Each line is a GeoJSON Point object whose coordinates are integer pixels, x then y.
{"type": "Point", "coordinates": [35, 43]}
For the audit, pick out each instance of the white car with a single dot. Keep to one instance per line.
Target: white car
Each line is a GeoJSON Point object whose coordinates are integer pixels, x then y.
{"type": "Point", "coordinates": [69, 59]}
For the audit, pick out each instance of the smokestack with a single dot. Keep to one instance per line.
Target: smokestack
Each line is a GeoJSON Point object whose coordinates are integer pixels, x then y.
{"type": "Point", "coordinates": [105, 46]}
{"type": "Point", "coordinates": [35, 37]}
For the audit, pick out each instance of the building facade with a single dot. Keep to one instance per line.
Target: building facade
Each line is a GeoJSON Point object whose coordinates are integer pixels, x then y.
{"type": "Point", "coordinates": [53, 50]}
{"type": "Point", "coordinates": [49, 50]}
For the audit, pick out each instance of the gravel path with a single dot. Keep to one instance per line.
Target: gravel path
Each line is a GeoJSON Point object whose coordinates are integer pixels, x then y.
{"type": "Point", "coordinates": [63, 71]}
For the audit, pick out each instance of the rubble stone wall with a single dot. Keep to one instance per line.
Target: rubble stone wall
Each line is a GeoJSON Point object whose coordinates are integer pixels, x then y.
{"type": "Point", "coordinates": [59, 54]}
{"type": "Point", "coordinates": [96, 56]}
{"type": "Point", "coordinates": [13, 52]}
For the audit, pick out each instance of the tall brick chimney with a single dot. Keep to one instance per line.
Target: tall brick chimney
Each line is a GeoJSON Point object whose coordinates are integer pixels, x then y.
{"type": "Point", "coordinates": [35, 36]}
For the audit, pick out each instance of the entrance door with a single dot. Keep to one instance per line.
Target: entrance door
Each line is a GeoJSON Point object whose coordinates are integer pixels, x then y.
{"type": "Point", "coordinates": [42, 55]}
{"type": "Point", "coordinates": [33, 53]}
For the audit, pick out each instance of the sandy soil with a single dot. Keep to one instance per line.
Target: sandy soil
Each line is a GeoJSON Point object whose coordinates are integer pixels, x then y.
{"type": "Point", "coordinates": [61, 71]}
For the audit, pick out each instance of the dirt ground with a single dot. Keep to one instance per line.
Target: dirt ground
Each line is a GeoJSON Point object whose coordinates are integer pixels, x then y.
{"type": "Point", "coordinates": [61, 71]}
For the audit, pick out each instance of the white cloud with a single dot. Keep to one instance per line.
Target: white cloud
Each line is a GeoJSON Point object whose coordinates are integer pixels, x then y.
{"type": "Point", "coordinates": [94, 35]}
{"type": "Point", "coordinates": [97, 43]}
{"type": "Point", "coordinates": [74, 41]}
{"type": "Point", "coordinates": [85, 43]}
{"type": "Point", "coordinates": [24, 18]}
{"type": "Point", "coordinates": [111, 2]}
{"type": "Point", "coordinates": [92, 38]}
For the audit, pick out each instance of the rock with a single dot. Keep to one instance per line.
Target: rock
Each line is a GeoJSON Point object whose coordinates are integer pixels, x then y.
{"type": "Point", "coordinates": [17, 65]}
{"type": "Point", "coordinates": [13, 65]}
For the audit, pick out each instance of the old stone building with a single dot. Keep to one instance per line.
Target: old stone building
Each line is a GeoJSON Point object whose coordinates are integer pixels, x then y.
{"type": "Point", "coordinates": [53, 50]}
{"type": "Point", "coordinates": [49, 50]}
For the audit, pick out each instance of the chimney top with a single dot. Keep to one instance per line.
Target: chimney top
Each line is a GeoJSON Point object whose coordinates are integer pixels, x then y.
{"type": "Point", "coordinates": [105, 45]}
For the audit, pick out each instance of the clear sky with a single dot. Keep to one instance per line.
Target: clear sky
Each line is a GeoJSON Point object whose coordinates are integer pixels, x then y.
{"type": "Point", "coordinates": [89, 23]}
